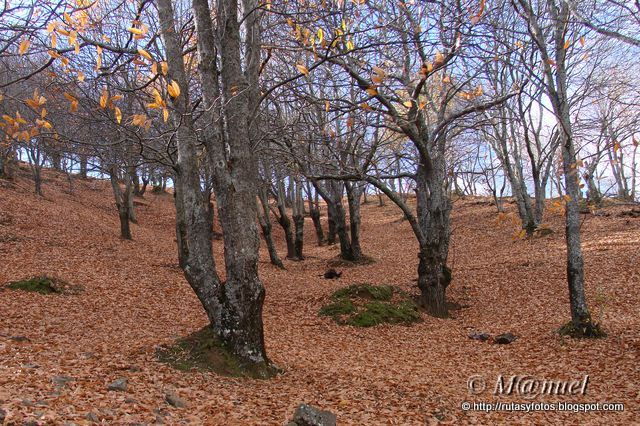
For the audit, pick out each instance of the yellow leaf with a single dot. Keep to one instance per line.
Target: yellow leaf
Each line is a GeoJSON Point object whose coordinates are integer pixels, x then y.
{"type": "Point", "coordinates": [54, 40]}
{"type": "Point", "coordinates": [304, 70]}
{"type": "Point", "coordinates": [164, 67]}
{"type": "Point", "coordinates": [136, 31]}
{"type": "Point", "coordinates": [567, 198]}
{"type": "Point", "coordinates": [154, 68]}
{"type": "Point", "coordinates": [582, 41]}
{"type": "Point", "coordinates": [567, 44]}
{"type": "Point", "coordinates": [74, 106]}
{"type": "Point", "coordinates": [104, 97]}
{"type": "Point", "coordinates": [67, 18]}
{"type": "Point", "coordinates": [439, 60]}
{"type": "Point", "coordinates": [80, 76]}
{"type": "Point", "coordinates": [376, 79]}
{"type": "Point", "coordinates": [157, 97]}
{"type": "Point", "coordinates": [616, 147]}
{"type": "Point", "coordinates": [51, 27]}
{"type": "Point", "coordinates": [165, 114]}
{"type": "Point", "coordinates": [118, 114]}
{"type": "Point", "coordinates": [173, 89]}
{"type": "Point", "coordinates": [115, 98]}
{"type": "Point", "coordinates": [372, 91]}
{"type": "Point", "coordinates": [320, 35]}
{"type": "Point", "coordinates": [24, 46]}
{"type": "Point", "coordinates": [408, 104]}
{"type": "Point", "coordinates": [145, 54]}
{"type": "Point", "coordinates": [379, 71]}
{"type": "Point", "coordinates": [139, 120]}
{"type": "Point", "coordinates": [69, 97]}
{"type": "Point", "coordinates": [327, 105]}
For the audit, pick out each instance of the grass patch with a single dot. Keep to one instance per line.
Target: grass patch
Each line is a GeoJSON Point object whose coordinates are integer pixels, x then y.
{"type": "Point", "coordinates": [45, 284]}
{"type": "Point", "coordinates": [368, 305]}
{"type": "Point", "coordinates": [203, 351]}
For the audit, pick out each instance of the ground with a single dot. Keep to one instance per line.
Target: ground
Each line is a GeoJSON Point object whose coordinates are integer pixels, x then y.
{"type": "Point", "coordinates": [135, 299]}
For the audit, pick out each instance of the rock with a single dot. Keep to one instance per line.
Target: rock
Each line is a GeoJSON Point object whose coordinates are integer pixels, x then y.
{"type": "Point", "coordinates": [92, 417]}
{"type": "Point", "coordinates": [131, 401]}
{"type": "Point", "coordinates": [505, 338]}
{"type": "Point", "coordinates": [479, 336]}
{"type": "Point", "coordinates": [119, 385]}
{"type": "Point", "coordinates": [61, 381]}
{"type": "Point", "coordinates": [331, 274]}
{"type": "Point", "coordinates": [174, 400]}
{"type": "Point", "coordinates": [20, 339]}
{"type": "Point", "coordinates": [307, 415]}
{"type": "Point", "coordinates": [27, 402]}
{"type": "Point", "coordinates": [3, 415]}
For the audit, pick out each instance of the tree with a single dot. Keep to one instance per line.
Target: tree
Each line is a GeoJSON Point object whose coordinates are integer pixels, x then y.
{"type": "Point", "coordinates": [548, 25]}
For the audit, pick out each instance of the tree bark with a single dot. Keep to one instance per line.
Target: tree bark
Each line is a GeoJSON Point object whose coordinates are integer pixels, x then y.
{"type": "Point", "coordinates": [122, 203]}
{"type": "Point", "coordinates": [433, 208]}
{"type": "Point", "coordinates": [265, 224]}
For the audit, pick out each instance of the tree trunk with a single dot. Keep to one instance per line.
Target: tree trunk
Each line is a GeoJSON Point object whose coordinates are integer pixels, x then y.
{"type": "Point", "coordinates": [337, 213]}
{"type": "Point", "coordinates": [298, 220]}
{"type": "Point", "coordinates": [285, 223]}
{"type": "Point", "coordinates": [265, 223]}
{"type": "Point", "coordinates": [122, 204]}
{"type": "Point", "coordinates": [235, 308]}
{"type": "Point", "coordinates": [235, 177]}
{"type": "Point", "coordinates": [37, 178]}
{"type": "Point", "coordinates": [331, 225]}
{"type": "Point", "coordinates": [353, 198]}
{"type": "Point", "coordinates": [433, 208]}
{"type": "Point", "coordinates": [83, 166]}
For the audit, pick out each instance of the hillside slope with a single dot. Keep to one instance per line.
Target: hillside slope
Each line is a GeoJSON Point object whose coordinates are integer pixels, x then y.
{"type": "Point", "coordinates": [136, 298]}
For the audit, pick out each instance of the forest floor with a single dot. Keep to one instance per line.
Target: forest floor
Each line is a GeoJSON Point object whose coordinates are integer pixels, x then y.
{"type": "Point", "coordinates": [135, 299]}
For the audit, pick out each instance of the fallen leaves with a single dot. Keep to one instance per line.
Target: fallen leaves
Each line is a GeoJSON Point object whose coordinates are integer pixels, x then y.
{"type": "Point", "coordinates": [136, 299]}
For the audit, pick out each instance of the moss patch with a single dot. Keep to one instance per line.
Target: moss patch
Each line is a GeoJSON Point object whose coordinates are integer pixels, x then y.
{"type": "Point", "coordinates": [203, 351]}
{"type": "Point", "coordinates": [45, 284]}
{"type": "Point", "coordinates": [339, 262]}
{"type": "Point", "coordinates": [367, 305]}
{"type": "Point", "coordinates": [365, 291]}
{"type": "Point", "coordinates": [591, 332]}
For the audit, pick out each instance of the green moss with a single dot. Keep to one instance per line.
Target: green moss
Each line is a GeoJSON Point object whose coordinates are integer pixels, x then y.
{"type": "Point", "coordinates": [366, 291]}
{"type": "Point", "coordinates": [590, 331]}
{"type": "Point", "coordinates": [375, 313]}
{"type": "Point", "coordinates": [367, 305]}
{"type": "Point", "coordinates": [203, 351]}
{"type": "Point", "coordinates": [341, 307]}
{"type": "Point", "coordinates": [42, 284]}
